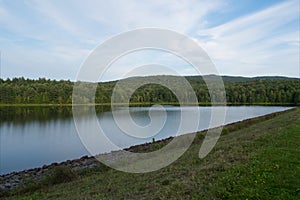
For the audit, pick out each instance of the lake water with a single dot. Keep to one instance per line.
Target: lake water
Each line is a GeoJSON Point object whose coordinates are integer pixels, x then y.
{"type": "Point", "coordinates": [33, 136]}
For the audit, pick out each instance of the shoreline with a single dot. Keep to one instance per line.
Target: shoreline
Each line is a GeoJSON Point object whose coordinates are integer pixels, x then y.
{"type": "Point", "coordinates": [16, 179]}
{"type": "Point", "coordinates": [148, 104]}
{"type": "Point", "coordinates": [20, 178]}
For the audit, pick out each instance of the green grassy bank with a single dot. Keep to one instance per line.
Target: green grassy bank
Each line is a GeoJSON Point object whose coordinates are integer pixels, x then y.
{"type": "Point", "coordinates": [253, 159]}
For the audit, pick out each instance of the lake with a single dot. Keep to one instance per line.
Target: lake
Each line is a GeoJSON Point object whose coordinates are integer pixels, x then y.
{"type": "Point", "coordinates": [34, 136]}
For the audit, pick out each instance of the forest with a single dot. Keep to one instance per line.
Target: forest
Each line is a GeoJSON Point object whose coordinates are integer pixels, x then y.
{"type": "Point", "coordinates": [239, 90]}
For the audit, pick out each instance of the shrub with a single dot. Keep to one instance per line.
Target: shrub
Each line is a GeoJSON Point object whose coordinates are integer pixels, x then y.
{"type": "Point", "coordinates": [60, 174]}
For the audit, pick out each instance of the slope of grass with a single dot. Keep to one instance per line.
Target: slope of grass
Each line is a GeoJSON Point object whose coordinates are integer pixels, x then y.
{"type": "Point", "coordinates": [256, 159]}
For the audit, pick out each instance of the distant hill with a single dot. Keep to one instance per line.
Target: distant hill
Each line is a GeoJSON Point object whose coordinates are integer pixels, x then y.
{"type": "Point", "coordinates": [235, 79]}
{"type": "Point", "coordinates": [230, 79]}
{"type": "Point", "coordinates": [239, 90]}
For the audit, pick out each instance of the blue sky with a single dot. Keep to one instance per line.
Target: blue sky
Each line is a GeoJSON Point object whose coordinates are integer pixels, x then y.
{"type": "Point", "coordinates": [53, 38]}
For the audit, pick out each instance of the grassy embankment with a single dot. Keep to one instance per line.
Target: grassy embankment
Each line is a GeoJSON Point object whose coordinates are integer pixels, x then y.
{"type": "Point", "coordinates": [254, 159]}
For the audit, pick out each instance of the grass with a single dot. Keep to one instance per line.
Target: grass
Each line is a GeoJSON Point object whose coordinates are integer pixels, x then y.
{"type": "Point", "coordinates": [272, 172]}
{"type": "Point", "coordinates": [254, 159]}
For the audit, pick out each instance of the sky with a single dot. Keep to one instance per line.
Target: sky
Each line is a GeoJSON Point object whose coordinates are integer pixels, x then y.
{"type": "Point", "coordinates": [52, 39]}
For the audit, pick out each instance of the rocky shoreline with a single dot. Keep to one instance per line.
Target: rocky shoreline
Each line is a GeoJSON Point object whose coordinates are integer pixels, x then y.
{"type": "Point", "coordinates": [18, 179]}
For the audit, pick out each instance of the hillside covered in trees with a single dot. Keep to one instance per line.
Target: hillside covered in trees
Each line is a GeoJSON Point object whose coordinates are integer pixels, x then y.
{"type": "Point", "coordinates": [239, 90]}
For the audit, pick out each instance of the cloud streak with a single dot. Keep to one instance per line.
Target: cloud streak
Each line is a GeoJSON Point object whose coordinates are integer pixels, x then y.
{"type": "Point", "coordinates": [261, 43]}
{"type": "Point", "coordinates": [65, 31]}
{"type": "Point", "coordinates": [57, 36]}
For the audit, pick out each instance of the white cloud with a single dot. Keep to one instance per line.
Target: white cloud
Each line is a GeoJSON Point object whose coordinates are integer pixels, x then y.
{"type": "Point", "coordinates": [149, 59]}
{"type": "Point", "coordinates": [67, 30]}
{"type": "Point", "coordinates": [261, 43]}
{"type": "Point", "coordinates": [58, 34]}
{"type": "Point", "coordinates": [125, 15]}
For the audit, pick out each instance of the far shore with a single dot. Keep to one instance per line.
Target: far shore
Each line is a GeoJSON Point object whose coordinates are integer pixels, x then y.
{"type": "Point", "coordinates": [148, 104]}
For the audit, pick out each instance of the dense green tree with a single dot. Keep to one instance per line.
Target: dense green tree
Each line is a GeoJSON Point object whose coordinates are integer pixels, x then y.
{"type": "Point", "coordinates": [239, 91]}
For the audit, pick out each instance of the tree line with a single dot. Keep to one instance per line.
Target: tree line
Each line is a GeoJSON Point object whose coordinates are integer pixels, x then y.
{"type": "Point", "coordinates": [251, 91]}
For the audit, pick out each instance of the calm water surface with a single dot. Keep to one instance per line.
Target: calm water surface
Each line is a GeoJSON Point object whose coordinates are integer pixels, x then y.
{"type": "Point", "coordinates": [32, 137]}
